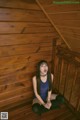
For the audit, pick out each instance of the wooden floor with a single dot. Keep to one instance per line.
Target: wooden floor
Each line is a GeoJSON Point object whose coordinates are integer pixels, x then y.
{"type": "Point", "coordinates": [63, 113]}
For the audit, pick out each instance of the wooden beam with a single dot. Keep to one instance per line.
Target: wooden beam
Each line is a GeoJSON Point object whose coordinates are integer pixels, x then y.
{"type": "Point", "coordinates": [57, 30]}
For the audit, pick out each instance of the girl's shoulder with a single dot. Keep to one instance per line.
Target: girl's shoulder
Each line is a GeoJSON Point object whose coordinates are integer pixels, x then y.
{"type": "Point", "coordinates": [34, 78]}
{"type": "Point", "coordinates": [52, 76]}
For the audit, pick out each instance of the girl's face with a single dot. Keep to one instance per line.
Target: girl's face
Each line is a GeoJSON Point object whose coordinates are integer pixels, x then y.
{"type": "Point", "coordinates": [43, 68]}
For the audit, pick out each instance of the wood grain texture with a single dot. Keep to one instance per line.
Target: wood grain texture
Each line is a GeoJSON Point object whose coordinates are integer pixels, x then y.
{"type": "Point", "coordinates": [20, 27]}
{"type": "Point", "coordinates": [29, 28]}
{"type": "Point", "coordinates": [26, 112]}
{"type": "Point", "coordinates": [19, 4]}
{"type": "Point", "coordinates": [62, 76]}
{"type": "Point", "coordinates": [26, 49]}
{"type": "Point", "coordinates": [56, 80]}
{"type": "Point", "coordinates": [10, 39]}
{"type": "Point", "coordinates": [75, 93]}
{"type": "Point", "coordinates": [26, 37]}
{"type": "Point", "coordinates": [22, 15]}
{"type": "Point", "coordinates": [66, 16]}
{"type": "Point", "coordinates": [69, 81]}
{"type": "Point", "coordinates": [66, 8]}
{"type": "Point", "coordinates": [67, 76]}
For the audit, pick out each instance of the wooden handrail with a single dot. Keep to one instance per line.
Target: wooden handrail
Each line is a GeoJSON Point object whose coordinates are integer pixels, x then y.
{"type": "Point", "coordinates": [69, 85]}
{"type": "Point", "coordinates": [68, 55]}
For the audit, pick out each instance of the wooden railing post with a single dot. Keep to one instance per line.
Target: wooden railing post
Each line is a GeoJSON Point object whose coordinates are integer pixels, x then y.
{"type": "Point", "coordinates": [70, 84]}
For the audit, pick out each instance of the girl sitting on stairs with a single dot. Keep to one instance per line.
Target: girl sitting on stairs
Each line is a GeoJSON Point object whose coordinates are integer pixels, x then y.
{"type": "Point", "coordinates": [42, 86]}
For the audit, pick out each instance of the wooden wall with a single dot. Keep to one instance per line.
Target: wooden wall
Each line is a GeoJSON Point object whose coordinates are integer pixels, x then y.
{"type": "Point", "coordinates": [66, 18]}
{"type": "Point", "coordinates": [26, 37]}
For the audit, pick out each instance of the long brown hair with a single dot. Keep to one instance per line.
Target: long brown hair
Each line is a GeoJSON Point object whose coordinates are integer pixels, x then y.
{"type": "Point", "coordinates": [38, 76]}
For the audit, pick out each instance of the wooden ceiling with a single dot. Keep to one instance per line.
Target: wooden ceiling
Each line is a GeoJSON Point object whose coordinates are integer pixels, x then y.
{"type": "Point", "coordinates": [66, 18]}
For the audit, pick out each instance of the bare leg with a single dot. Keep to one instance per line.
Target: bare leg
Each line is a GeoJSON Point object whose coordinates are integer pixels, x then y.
{"type": "Point", "coordinates": [53, 96]}
{"type": "Point", "coordinates": [35, 100]}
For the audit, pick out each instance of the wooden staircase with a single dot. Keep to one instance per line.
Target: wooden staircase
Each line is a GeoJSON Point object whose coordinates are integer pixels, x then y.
{"type": "Point", "coordinates": [25, 113]}
{"type": "Point", "coordinates": [27, 36]}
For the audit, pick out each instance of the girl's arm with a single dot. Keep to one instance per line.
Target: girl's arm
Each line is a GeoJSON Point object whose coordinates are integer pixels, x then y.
{"type": "Point", "coordinates": [49, 93]}
{"type": "Point", "coordinates": [35, 90]}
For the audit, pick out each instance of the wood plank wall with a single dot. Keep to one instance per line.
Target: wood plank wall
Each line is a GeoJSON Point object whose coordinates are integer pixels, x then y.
{"type": "Point", "coordinates": [66, 18]}
{"type": "Point", "coordinates": [26, 37]}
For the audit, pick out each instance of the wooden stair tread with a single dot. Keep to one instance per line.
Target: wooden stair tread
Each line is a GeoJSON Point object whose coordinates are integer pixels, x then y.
{"type": "Point", "coordinates": [24, 112]}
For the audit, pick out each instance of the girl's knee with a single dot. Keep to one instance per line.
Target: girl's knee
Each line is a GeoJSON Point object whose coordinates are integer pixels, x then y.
{"type": "Point", "coordinates": [60, 99]}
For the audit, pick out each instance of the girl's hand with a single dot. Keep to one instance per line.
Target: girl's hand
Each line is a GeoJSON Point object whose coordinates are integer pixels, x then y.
{"type": "Point", "coordinates": [49, 104]}
{"type": "Point", "coordinates": [46, 105]}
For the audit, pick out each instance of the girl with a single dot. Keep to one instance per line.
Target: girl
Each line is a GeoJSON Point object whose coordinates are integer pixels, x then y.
{"type": "Point", "coordinates": [42, 85]}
